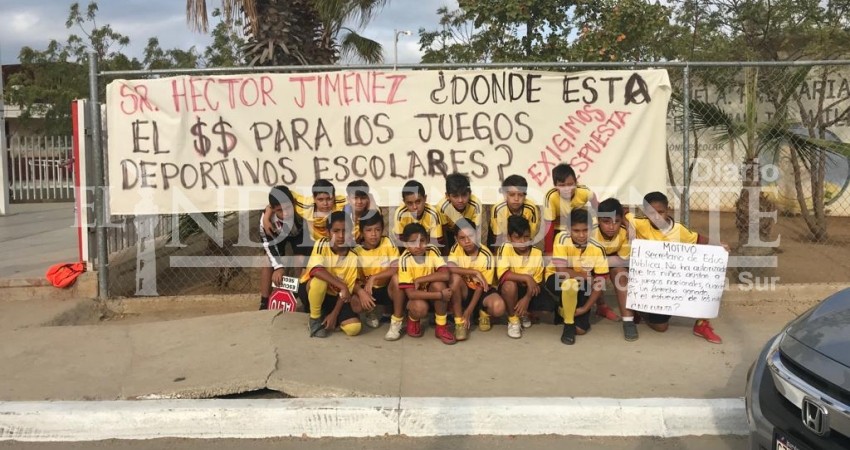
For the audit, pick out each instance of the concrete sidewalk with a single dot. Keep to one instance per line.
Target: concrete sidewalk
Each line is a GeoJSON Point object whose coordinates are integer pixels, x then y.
{"type": "Point", "coordinates": [35, 236]}
{"type": "Point", "coordinates": [80, 358]}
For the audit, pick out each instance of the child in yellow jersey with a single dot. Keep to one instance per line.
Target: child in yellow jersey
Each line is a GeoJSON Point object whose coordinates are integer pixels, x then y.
{"type": "Point", "coordinates": [514, 188]}
{"type": "Point", "coordinates": [611, 233]}
{"type": "Point", "coordinates": [378, 265]}
{"type": "Point", "coordinates": [659, 226]}
{"type": "Point", "coordinates": [422, 279]}
{"type": "Point", "coordinates": [519, 269]}
{"type": "Point", "coordinates": [458, 204]}
{"type": "Point", "coordinates": [359, 206]}
{"type": "Point", "coordinates": [415, 209]}
{"type": "Point", "coordinates": [330, 281]}
{"type": "Point", "coordinates": [285, 228]}
{"type": "Point", "coordinates": [561, 199]}
{"type": "Point", "coordinates": [473, 269]}
{"type": "Point", "coordinates": [576, 274]}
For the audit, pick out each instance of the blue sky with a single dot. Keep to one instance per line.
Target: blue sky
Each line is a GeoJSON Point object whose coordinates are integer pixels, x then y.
{"type": "Point", "coordinates": [34, 22]}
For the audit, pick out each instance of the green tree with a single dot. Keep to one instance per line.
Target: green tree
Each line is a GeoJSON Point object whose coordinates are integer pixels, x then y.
{"type": "Point", "coordinates": [227, 47]}
{"type": "Point", "coordinates": [52, 78]}
{"type": "Point", "coordinates": [291, 32]}
{"type": "Point", "coordinates": [156, 58]}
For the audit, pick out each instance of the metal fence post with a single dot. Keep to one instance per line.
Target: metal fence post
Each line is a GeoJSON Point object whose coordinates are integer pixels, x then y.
{"type": "Point", "coordinates": [686, 146]}
{"type": "Point", "coordinates": [99, 206]}
{"type": "Point", "coordinates": [4, 168]}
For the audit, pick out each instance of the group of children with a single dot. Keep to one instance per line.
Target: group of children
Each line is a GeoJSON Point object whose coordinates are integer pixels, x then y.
{"type": "Point", "coordinates": [435, 259]}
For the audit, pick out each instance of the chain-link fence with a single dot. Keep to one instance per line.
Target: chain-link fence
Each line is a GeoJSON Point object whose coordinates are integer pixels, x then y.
{"type": "Point", "coordinates": [778, 130]}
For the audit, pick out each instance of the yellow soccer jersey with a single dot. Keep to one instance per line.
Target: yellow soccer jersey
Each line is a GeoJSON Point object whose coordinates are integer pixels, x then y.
{"type": "Point", "coordinates": [409, 269]}
{"type": "Point", "coordinates": [315, 220]}
{"type": "Point", "coordinates": [484, 262]}
{"type": "Point", "coordinates": [377, 259]}
{"type": "Point", "coordinates": [507, 259]}
{"type": "Point", "coordinates": [675, 233]}
{"type": "Point", "coordinates": [500, 213]}
{"type": "Point", "coordinates": [355, 223]}
{"type": "Point", "coordinates": [430, 220]}
{"type": "Point", "coordinates": [556, 207]}
{"type": "Point", "coordinates": [344, 267]}
{"type": "Point", "coordinates": [591, 258]}
{"type": "Point", "coordinates": [450, 215]}
{"type": "Point", "coordinates": [618, 245]}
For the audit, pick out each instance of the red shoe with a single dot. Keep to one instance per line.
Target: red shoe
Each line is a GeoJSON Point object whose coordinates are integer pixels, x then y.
{"type": "Point", "coordinates": [442, 332]}
{"type": "Point", "coordinates": [414, 329]}
{"type": "Point", "coordinates": [702, 328]}
{"type": "Point", "coordinates": [606, 312]}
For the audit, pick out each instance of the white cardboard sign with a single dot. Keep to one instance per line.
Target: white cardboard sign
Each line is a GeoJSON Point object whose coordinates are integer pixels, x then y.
{"type": "Point", "coordinates": [676, 279]}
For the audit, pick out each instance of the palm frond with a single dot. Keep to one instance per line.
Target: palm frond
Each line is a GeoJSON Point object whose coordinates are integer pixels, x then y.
{"type": "Point", "coordinates": [774, 137]}
{"type": "Point", "coordinates": [196, 15]}
{"type": "Point", "coordinates": [353, 45]}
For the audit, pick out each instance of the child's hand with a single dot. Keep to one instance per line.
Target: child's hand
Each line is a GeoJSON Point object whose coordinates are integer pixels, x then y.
{"type": "Point", "coordinates": [277, 276]}
{"type": "Point", "coordinates": [345, 294]}
{"type": "Point", "coordinates": [268, 227]}
{"type": "Point", "coordinates": [726, 247]}
{"type": "Point", "coordinates": [522, 306]}
{"type": "Point", "coordinates": [368, 286]}
{"type": "Point", "coordinates": [367, 303]}
{"type": "Point", "coordinates": [467, 317]}
{"type": "Point", "coordinates": [330, 321]}
{"type": "Point", "coordinates": [532, 287]}
{"type": "Point", "coordinates": [479, 279]}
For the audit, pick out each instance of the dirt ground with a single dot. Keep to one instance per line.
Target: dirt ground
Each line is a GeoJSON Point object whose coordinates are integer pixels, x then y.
{"type": "Point", "coordinates": [799, 259]}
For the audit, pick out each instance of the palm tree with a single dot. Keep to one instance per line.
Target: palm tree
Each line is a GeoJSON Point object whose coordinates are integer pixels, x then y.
{"type": "Point", "coordinates": [762, 138]}
{"type": "Point", "coordinates": [298, 32]}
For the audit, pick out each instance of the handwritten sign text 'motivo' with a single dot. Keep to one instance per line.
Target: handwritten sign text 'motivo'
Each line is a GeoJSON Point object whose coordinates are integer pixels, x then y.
{"type": "Point", "coordinates": [676, 279]}
{"type": "Point", "coordinates": [192, 144]}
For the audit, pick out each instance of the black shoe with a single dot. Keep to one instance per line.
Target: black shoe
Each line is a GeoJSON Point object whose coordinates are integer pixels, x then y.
{"type": "Point", "coordinates": [569, 335]}
{"type": "Point", "coordinates": [317, 329]}
{"type": "Point", "coordinates": [630, 331]}
{"type": "Point", "coordinates": [264, 303]}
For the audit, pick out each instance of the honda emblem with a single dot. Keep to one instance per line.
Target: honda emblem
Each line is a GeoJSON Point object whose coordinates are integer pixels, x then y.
{"type": "Point", "coordinates": [815, 417]}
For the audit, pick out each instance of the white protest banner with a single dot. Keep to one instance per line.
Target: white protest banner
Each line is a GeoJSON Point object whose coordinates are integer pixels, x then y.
{"type": "Point", "coordinates": [676, 279]}
{"type": "Point", "coordinates": [192, 143]}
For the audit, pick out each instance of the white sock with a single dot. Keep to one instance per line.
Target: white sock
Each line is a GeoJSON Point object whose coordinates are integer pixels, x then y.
{"type": "Point", "coordinates": [628, 319]}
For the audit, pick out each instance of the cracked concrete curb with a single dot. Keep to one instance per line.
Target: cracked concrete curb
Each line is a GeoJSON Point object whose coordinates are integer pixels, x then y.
{"type": "Point", "coordinates": [364, 417]}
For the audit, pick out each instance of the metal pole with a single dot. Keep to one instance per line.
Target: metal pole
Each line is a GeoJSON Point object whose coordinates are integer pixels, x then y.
{"type": "Point", "coordinates": [4, 168]}
{"type": "Point", "coordinates": [686, 148]}
{"type": "Point", "coordinates": [395, 49]}
{"type": "Point", "coordinates": [97, 154]}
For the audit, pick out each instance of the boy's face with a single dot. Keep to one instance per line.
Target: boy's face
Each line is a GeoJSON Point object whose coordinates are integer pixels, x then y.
{"type": "Point", "coordinates": [459, 201]}
{"type": "Point", "coordinates": [514, 197]}
{"type": "Point", "coordinates": [416, 244]}
{"type": "Point", "coordinates": [521, 242]}
{"type": "Point", "coordinates": [567, 187]}
{"type": "Point", "coordinates": [359, 203]}
{"type": "Point", "coordinates": [609, 226]}
{"type": "Point", "coordinates": [415, 203]}
{"type": "Point", "coordinates": [372, 234]}
{"type": "Point", "coordinates": [284, 212]}
{"type": "Point", "coordinates": [466, 238]}
{"type": "Point", "coordinates": [578, 233]}
{"type": "Point", "coordinates": [324, 202]}
{"type": "Point", "coordinates": [338, 233]}
{"type": "Point", "coordinates": [657, 213]}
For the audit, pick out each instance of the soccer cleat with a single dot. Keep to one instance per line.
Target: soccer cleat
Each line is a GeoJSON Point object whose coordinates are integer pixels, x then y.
{"type": "Point", "coordinates": [526, 321]}
{"type": "Point", "coordinates": [702, 328]}
{"type": "Point", "coordinates": [443, 333]}
{"type": "Point", "coordinates": [373, 318]}
{"type": "Point", "coordinates": [395, 331]}
{"type": "Point", "coordinates": [414, 328]}
{"type": "Point", "coordinates": [606, 312]}
{"type": "Point", "coordinates": [483, 322]}
{"type": "Point", "coordinates": [515, 330]}
{"type": "Point", "coordinates": [317, 329]}
{"type": "Point", "coordinates": [568, 336]}
{"type": "Point", "coordinates": [630, 332]}
{"type": "Point", "coordinates": [461, 333]}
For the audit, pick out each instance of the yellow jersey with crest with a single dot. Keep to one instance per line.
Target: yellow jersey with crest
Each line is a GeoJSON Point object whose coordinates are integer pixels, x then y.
{"type": "Point", "coordinates": [450, 215]}
{"type": "Point", "coordinates": [376, 260]}
{"type": "Point", "coordinates": [557, 209]}
{"type": "Point", "coordinates": [501, 212]}
{"type": "Point", "coordinates": [507, 259]}
{"type": "Point", "coordinates": [344, 267]}
{"type": "Point", "coordinates": [410, 267]}
{"type": "Point", "coordinates": [588, 258]}
{"type": "Point", "coordinates": [484, 263]}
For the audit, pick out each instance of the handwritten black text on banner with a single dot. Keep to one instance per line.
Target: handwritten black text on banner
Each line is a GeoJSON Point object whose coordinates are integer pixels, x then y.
{"type": "Point", "coordinates": [676, 279]}
{"type": "Point", "coordinates": [208, 136]}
